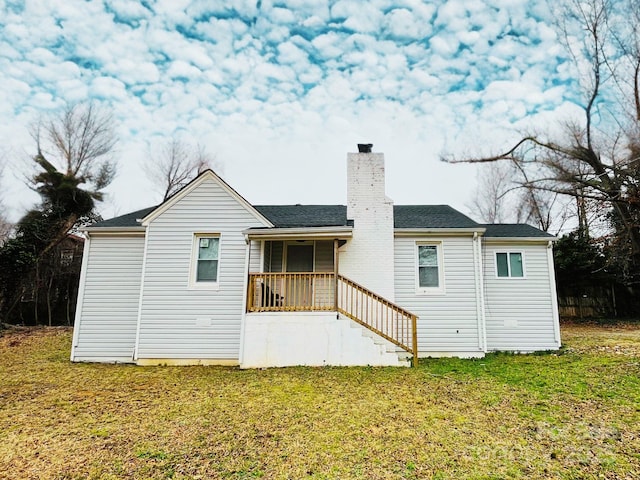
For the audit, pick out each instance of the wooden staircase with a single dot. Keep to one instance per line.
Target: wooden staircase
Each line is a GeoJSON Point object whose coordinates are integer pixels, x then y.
{"type": "Point", "coordinates": [291, 292]}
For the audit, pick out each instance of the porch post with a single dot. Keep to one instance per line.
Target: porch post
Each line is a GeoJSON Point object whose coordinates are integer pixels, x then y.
{"type": "Point", "coordinates": [335, 273]}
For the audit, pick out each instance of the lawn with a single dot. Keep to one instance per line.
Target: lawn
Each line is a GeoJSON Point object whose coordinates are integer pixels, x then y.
{"type": "Point", "coordinates": [573, 414]}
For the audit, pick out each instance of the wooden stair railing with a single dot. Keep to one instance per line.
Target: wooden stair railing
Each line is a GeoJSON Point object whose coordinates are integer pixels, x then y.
{"type": "Point", "coordinates": [318, 291]}
{"type": "Point", "coordinates": [379, 315]}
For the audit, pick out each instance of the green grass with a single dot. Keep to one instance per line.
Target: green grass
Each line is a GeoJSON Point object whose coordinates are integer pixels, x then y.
{"type": "Point", "coordinates": [570, 414]}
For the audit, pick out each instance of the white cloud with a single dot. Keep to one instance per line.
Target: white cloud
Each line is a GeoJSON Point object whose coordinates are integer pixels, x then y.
{"type": "Point", "coordinates": [296, 83]}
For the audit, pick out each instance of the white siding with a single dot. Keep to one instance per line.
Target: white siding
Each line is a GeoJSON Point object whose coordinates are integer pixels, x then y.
{"type": "Point", "coordinates": [447, 323]}
{"type": "Point", "coordinates": [177, 320]}
{"type": "Point", "coordinates": [519, 311]}
{"type": "Point", "coordinates": [108, 307]}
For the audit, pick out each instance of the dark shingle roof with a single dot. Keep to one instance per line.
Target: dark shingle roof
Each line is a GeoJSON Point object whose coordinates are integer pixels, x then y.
{"type": "Point", "coordinates": [496, 230]}
{"type": "Point", "coordinates": [430, 216]}
{"type": "Point", "coordinates": [284, 216]}
{"type": "Point", "coordinates": [128, 220]}
{"type": "Point", "coordinates": [405, 216]}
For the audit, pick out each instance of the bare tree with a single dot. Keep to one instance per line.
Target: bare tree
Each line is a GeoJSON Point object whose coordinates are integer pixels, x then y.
{"type": "Point", "coordinates": [598, 157]}
{"type": "Point", "coordinates": [175, 164]}
{"type": "Point", "coordinates": [73, 167]}
{"type": "Point", "coordinates": [78, 143]}
{"type": "Point", "coordinates": [489, 202]}
{"type": "Point", "coordinates": [502, 195]}
{"type": "Point", "coordinates": [5, 225]}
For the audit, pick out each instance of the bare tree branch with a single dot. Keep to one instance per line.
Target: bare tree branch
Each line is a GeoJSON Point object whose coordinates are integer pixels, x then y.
{"type": "Point", "coordinates": [598, 158]}
{"type": "Point", "coordinates": [175, 164]}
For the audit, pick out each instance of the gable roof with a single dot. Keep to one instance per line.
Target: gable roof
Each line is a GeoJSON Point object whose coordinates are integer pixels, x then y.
{"type": "Point", "coordinates": [405, 216]}
{"type": "Point", "coordinates": [192, 185]}
{"type": "Point", "coordinates": [514, 230]}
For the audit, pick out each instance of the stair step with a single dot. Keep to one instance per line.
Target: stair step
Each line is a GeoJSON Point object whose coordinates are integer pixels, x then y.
{"type": "Point", "coordinates": [384, 346]}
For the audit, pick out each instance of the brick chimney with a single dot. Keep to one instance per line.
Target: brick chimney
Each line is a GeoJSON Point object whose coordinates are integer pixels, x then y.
{"type": "Point", "coordinates": [368, 257]}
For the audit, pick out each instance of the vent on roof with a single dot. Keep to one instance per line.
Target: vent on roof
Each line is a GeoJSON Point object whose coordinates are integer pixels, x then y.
{"type": "Point", "coordinates": [365, 147]}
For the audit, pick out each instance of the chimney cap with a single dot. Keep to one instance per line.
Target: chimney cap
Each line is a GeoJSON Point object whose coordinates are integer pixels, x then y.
{"type": "Point", "coordinates": [365, 147]}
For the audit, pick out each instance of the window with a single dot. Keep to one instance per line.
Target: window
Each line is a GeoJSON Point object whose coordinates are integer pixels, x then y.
{"type": "Point", "coordinates": [66, 257]}
{"type": "Point", "coordinates": [509, 264]}
{"type": "Point", "coordinates": [207, 256]}
{"type": "Point", "coordinates": [429, 273]}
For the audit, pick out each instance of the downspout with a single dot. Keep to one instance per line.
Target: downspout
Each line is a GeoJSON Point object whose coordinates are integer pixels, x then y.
{"type": "Point", "coordinates": [245, 287]}
{"type": "Point", "coordinates": [554, 295]}
{"type": "Point", "coordinates": [136, 347]}
{"type": "Point", "coordinates": [477, 266]}
{"type": "Point", "coordinates": [80, 299]}
{"type": "Point", "coordinates": [483, 312]}
{"type": "Point", "coordinates": [335, 275]}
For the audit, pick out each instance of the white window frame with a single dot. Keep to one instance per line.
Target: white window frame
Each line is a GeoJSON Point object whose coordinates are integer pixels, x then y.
{"type": "Point", "coordinates": [440, 289]}
{"type": "Point", "coordinates": [509, 252]}
{"type": "Point", "coordinates": [194, 284]}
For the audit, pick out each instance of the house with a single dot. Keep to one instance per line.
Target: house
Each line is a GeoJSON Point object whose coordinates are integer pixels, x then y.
{"type": "Point", "coordinates": [208, 278]}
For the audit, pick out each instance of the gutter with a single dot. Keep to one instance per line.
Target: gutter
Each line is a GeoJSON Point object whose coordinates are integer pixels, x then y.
{"type": "Point", "coordinates": [520, 239]}
{"type": "Point", "coordinates": [410, 232]}
{"type": "Point", "coordinates": [298, 233]}
{"type": "Point", "coordinates": [113, 230]}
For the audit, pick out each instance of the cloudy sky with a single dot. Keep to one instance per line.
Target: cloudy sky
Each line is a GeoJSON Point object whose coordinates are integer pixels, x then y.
{"type": "Point", "coordinates": [279, 91]}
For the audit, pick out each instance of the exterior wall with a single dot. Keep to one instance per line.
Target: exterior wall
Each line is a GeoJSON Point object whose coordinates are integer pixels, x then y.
{"type": "Point", "coordinates": [448, 323]}
{"type": "Point", "coordinates": [310, 338]}
{"type": "Point", "coordinates": [179, 320]}
{"type": "Point", "coordinates": [521, 313]}
{"type": "Point", "coordinates": [368, 257]}
{"type": "Point", "coordinates": [107, 313]}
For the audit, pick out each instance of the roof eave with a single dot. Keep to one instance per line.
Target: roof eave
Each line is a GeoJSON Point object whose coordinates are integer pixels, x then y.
{"type": "Point", "coordinates": [297, 233]}
{"type": "Point", "coordinates": [111, 230]}
{"type": "Point", "coordinates": [520, 239]}
{"type": "Point", "coordinates": [411, 232]}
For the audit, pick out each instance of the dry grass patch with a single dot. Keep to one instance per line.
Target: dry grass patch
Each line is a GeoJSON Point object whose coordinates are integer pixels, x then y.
{"type": "Point", "coordinates": [570, 415]}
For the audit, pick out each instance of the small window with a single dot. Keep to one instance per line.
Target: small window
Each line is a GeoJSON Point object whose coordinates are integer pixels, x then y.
{"type": "Point", "coordinates": [66, 257]}
{"type": "Point", "coordinates": [429, 271]}
{"type": "Point", "coordinates": [208, 253]}
{"type": "Point", "coordinates": [509, 264]}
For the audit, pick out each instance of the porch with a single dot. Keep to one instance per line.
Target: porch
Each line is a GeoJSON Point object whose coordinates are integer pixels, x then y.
{"type": "Point", "coordinates": [299, 286]}
{"type": "Point", "coordinates": [304, 292]}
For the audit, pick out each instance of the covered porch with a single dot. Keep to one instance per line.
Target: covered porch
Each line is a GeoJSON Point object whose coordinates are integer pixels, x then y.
{"type": "Point", "coordinates": [299, 279]}
{"type": "Point", "coordinates": [297, 275]}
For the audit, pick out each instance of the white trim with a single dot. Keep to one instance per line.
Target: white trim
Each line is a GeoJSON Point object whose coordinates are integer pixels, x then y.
{"type": "Point", "coordinates": [477, 274]}
{"type": "Point", "coordinates": [554, 295]}
{"type": "Point", "coordinates": [116, 231]}
{"type": "Point", "coordinates": [509, 251]}
{"type": "Point", "coordinates": [483, 306]}
{"type": "Point", "coordinates": [194, 284]}
{"type": "Point", "coordinates": [411, 232]}
{"type": "Point", "coordinates": [245, 287]}
{"type": "Point", "coordinates": [199, 180]}
{"type": "Point", "coordinates": [440, 289]}
{"type": "Point", "coordinates": [136, 347]}
{"type": "Point", "coordinates": [311, 233]}
{"type": "Point", "coordinates": [512, 240]}
{"type": "Point", "coordinates": [80, 300]}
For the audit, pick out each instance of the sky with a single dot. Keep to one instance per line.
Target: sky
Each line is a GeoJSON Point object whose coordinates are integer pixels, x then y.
{"type": "Point", "coordinates": [280, 91]}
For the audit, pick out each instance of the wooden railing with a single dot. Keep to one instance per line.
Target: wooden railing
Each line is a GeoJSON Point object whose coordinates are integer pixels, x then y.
{"type": "Point", "coordinates": [379, 315]}
{"type": "Point", "coordinates": [318, 291]}
{"type": "Point", "coordinates": [291, 292]}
